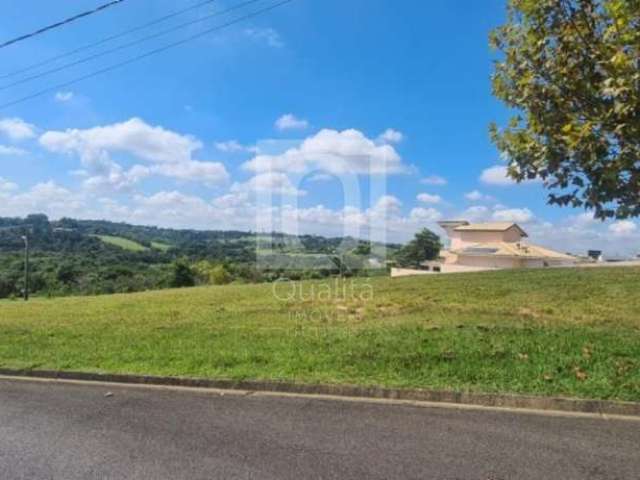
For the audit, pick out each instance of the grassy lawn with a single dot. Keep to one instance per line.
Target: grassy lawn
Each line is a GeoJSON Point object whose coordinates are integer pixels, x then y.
{"type": "Point", "coordinates": [549, 332]}
{"type": "Point", "coordinates": [122, 243]}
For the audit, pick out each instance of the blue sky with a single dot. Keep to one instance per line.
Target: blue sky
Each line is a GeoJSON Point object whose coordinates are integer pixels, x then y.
{"type": "Point", "coordinates": [358, 116]}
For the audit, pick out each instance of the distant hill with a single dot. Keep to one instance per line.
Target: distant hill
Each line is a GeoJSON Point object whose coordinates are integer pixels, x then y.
{"type": "Point", "coordinates": [71, 256]}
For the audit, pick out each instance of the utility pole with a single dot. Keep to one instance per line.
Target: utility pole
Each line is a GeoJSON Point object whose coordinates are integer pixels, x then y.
{"type": "Point", "coordinates": [25, 238]}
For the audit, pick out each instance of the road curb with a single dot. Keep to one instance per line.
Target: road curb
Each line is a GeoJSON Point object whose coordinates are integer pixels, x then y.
{"type": "Point", "coordinates": [559, 404]}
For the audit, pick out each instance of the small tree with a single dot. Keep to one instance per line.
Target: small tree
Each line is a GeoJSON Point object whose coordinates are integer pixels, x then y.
{"type": "Point", "coordinates": [424, 247]}
{"type": "Point", "coordinates": [571, 71]}
{"type": "Point", "coordinates": [182, 275]}
{"type": "Point", "coordinates": [363, 249]}
{"type": "Point", "coordinates": [218, 275]}
{"type": "Point", "coordinates": [211, 273]}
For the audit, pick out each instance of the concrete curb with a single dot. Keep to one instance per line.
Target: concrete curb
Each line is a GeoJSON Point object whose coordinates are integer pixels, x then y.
{"type": "Point", "coordinates": [558, 404]}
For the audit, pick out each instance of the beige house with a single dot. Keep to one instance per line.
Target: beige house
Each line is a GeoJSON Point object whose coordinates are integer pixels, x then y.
{"type": "Point", "coordinates": [496, 245]}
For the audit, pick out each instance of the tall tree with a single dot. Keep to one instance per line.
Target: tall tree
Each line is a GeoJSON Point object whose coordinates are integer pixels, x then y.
{"type": "Point", "coordinates": [425, 246]}
{"type": "Point", "coordinates": [571, 71]}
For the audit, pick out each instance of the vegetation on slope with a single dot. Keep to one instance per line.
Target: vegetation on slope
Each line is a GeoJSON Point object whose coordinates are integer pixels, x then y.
{"type": "Point", "coordinates": [123, 243]}
{"type": "Point", "coordinates": [572, 332]}
{"type": "Point", "coordinates": [86, 257]}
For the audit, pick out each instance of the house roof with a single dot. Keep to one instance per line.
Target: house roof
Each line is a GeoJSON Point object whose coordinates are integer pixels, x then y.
{"type": "Point", "coordinates": [509, 249]}
{"type": "Point", "coordinates": [455, 223]}
{"type": "Point", "coordinates": [490, 227]}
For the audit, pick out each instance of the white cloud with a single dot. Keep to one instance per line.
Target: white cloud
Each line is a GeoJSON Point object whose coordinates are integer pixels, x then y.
{"type": "Point", "coordinates": [349, 151]}
{"type": "Point", "coordinates": [519, 215]}
{"type": "Point", "coordinates": [499, 213]}
{"type": "Point", "coordinates": [114, 177]}
{"type": "Point", "coordinates": [434, 180]}
{"type": "Point", "coordinates": [63, 97]}
{"type": "Point", "coordinates": [391, 136]}
{"type": "Point", "coordinates": [153, 144]}
{"type": "Point", "coordinates": [44, 197]}
{"type": "Point", "coordinates": [387, 203]}
{"type": "Point", "coordinates": [170, 153]}
{"type": "Point", "coordinates": [623, 228]}
{"type": "Point", "coordinates": [7, 186]}
{"type": "Point", "coordinates": [266, 35]}
{"type": "Point", "coordinates": [496, 175]}
{"type": "Point", "coordinates": [290, 122]}
{"type": "Point", "coordinates": [477, 196]}
{"type": "Point", "coordinates": [476, 213]}
{"type": "Point", "coordinates": [235, 210]}
{"type": "Point", "coordinates": [12, 151]}
{"type": "Point", "coordinates": [233, 146]}
{"type": "Point", "coordinates": [321, 177]}
{"type": "Point", "coordinates": [425, 214]}
{"type": "Point", "coordinates": [233, 200]}
{"type": "Point", "coordinates": [428, 198]}
{"type": "Point", "coordinates": [209, 173]}
{"type": "Point", "coordinates": [172, 203]}
{"type": "Point", "coordinates": [238, 209]}
{"type": "Point", "coordinates": [269, 182]}
{"type": "Point", "coordinates": [17, 129]}
{"type": "Point", "coordinates": [584, 219]}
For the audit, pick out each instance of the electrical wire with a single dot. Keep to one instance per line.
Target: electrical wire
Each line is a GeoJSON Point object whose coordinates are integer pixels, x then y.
{"type": "Point", "coordinates": [106, 39]}
{"type": "Point", "coordinates": [144, 55]}
{"type": "Point", "coordinates": [60, 24]}
{"type": "Point", "coordinates": [127, 45]}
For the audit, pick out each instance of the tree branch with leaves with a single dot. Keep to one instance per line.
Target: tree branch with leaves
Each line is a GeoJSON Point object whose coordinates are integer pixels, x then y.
{"type": "Point", "coordinates": [570, 71]}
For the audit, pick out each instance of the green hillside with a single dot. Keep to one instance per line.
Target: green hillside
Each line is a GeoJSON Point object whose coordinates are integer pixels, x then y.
{"type": "Point", "coordinates": [569, 332]}
{"type": "Point", "coordinates": [90, 257]}
{"type": "Point", "coordinates": [163, 247]}
{"type": "Point", "coordinates": [122, 243]}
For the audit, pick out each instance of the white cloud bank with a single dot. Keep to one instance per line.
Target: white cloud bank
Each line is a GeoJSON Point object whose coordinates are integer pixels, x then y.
{"type": "Point", "coordinates": [17, 129]}
{"type": "Point", "coordinates": [169, 154]}
{"type": "Point", "coordinates": [623, 228]}
{"type": "Point", "coordinates": [235, 210]}
{"type": "Point", "coordinates": [7, 186]}
{"type": "Point", "coordinates": [275, 183]}
{"type": "Point", "coordinates": [336, 152]}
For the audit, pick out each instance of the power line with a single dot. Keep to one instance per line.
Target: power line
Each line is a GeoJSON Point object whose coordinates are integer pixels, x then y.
{"type": "Point", "coordinates": [145, 55]}
{"type": "Point", "coordinates": [105, 40]}
{"type": "Point", "coordinates": [126, 45]}
{"type": "Point", "coordinates": [60, 24]}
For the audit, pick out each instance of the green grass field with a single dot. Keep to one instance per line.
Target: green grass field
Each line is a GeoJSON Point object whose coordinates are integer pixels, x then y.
{"type": "Point", "coordinates": [124, 243]}
{"type": "Point", "coordinates": [571, 332]}
{"type": "Point", "coordinates": [163, 247]}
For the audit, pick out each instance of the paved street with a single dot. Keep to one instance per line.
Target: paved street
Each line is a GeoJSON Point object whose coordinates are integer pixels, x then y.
{"type": "Point", "coordinates": [62, 431]}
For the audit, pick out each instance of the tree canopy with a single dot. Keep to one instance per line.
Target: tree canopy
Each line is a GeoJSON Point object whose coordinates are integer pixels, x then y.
{"type": "Point", "coordinates": [425, 246]}
{"type": "Point", "coordinates": [571, 71]}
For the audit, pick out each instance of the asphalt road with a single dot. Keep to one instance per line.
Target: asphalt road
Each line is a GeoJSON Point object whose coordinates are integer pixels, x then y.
{"type": "Point", "coordinates": [62, 431]}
